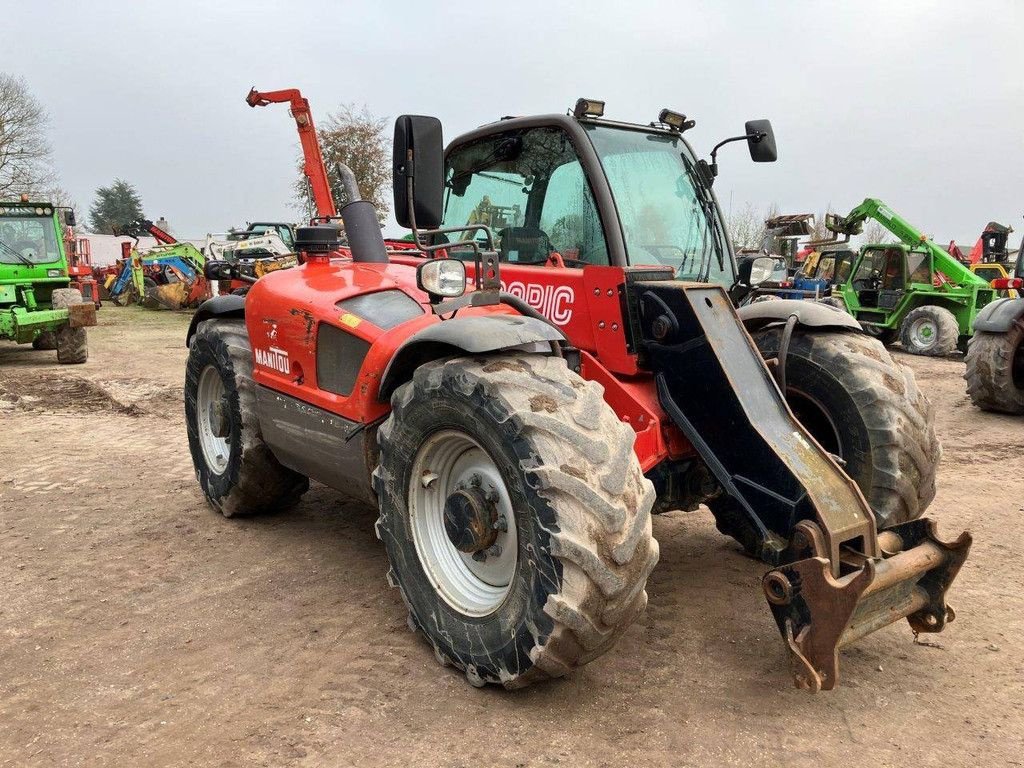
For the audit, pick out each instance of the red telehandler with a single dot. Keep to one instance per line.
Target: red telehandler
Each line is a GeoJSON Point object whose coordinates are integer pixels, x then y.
{"type": "Point", "coordinates": [519, 393]}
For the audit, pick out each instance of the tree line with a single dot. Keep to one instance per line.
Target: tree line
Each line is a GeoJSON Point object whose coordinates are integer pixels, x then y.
{"type": "Point", "coordinates": [350, 135]}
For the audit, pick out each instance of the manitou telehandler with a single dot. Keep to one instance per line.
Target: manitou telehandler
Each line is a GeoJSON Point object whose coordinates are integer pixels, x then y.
{"type": "Point", "coordinates": [37, 303]}
{"type": "Point", "coordinates": [517, 402]}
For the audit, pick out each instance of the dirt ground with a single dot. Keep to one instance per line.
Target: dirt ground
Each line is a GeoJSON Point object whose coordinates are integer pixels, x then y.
{"type": "Point", "coordinates": [139, 628]}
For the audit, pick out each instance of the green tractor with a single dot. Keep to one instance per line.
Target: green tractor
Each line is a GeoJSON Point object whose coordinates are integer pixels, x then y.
{"type": "Point", "coordinates": [912, 290]}
{"type": "Point", "coordinates": [37, 304]}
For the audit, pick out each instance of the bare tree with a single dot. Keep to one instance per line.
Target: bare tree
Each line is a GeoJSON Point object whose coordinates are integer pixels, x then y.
{"type": "Point", "coordinates": [25, 156]}
{"type": "Point", "coordinates": [875, 233]}
{"type": "Point", "coordinates": [355, 138]}
{"type": "Point", "coordinates": [746, 227]}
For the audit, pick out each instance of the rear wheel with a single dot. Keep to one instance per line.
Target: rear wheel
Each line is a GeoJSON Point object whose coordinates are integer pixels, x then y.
{"type": "Point", "coordinates": [930, 330]}
{"type": "Point", "coordinates": [72, 343]}
{"type": "Point", "coordinates": [995, 370]}
{"type": "Point", "coordinates": [515, 516]}
{"type": "Point", "coordinates": [866, 408]}
{"type": "Point", "coordinates": [236, 470]}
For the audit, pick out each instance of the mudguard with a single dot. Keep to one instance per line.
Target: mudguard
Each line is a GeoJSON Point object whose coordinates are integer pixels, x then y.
{"type": "Point", "coordinates": [471, 335]}
{"type": "Point", "coordinates": [810, 314]}
{"type": "Point", "coordinates": [999, 316]}
{"type": "Point", "coordinates": [229, 305]}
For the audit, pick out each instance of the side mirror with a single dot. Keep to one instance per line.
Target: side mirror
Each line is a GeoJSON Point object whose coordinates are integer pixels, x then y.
{"type": "Point", "coordinates": [761, 141]}
{"type": "Point", "coordinates": [69, 218]}
{"type": "Point", "coordinates": [753, 271]}
{"type": "Point", "coordinates": [418, 165]}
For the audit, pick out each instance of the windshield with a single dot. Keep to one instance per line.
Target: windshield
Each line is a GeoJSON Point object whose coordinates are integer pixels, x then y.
{"type": "Point", "coordinates": [668, 215]}
{"type": "Point", "coordinates": [28, 240]}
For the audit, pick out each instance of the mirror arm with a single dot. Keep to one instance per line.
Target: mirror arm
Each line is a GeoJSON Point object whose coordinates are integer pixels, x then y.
{"type": "Point", "coordinates": [754, 137]}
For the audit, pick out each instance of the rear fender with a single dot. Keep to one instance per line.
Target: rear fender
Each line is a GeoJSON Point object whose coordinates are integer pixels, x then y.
{"type": "Point", "coordinates": [999, 316]}
{"type": "Point", "coordinates": [809, 314]}
{"type": "Point", "coordinates": [469, 335]}
{"type": "Point", "coordinates": [228, 306]}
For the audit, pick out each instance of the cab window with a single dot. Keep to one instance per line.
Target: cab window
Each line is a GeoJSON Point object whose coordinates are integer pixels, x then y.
{"type": "Point", "coordinates": [919, 265]}
{"type": "Point", "coordinates": [528, 186]}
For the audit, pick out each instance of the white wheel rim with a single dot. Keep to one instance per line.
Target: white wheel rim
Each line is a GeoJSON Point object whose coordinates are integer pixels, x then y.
{"type": "Point", "coordinates": [445, 462]}
{"type": "Point", "coordinates": [216, 450]}
{"type": "Point", "coordinates": [924, 333]}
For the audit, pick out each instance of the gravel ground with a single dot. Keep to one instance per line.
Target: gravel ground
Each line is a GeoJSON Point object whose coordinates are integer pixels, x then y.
{"type": "Point", "coordinates": [139, 628]}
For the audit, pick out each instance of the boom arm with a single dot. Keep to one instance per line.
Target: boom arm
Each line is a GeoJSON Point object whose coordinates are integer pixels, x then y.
{"type": "Point", "coordinates": [853, 224]}
{"type": "Point", "coordinates": [313, 159]}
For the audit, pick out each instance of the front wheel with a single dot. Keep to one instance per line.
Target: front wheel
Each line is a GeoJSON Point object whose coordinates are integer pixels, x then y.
{"type": "Point", "coordinates": [863, 406]}
{"type": "Point", "coordinates": [930, 330]}
{"type": "Point", "coordinates": [237, 471]}
{"type": "Point", "coordinates": [72, 343]}
{"type": "Point", "coordinates": [515, 516]}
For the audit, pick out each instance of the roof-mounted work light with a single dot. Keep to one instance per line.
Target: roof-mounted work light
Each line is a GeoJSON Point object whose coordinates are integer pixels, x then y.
{"type": "Point", "coordinates": [675, 120]}
{"type": "Point", "coordinates": [588, 108]}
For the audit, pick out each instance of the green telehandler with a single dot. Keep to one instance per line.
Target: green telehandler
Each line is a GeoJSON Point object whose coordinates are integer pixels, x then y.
{"type": "Point", "coordinates": [911, 290]}
{"type": "Point", "coordinates": [37, 304]}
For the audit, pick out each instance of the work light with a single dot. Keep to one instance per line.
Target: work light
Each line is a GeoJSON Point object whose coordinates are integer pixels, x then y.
{"type": "Point", "coordinates": [442, 277]}
{"type": "Point", "coordinates": [588, 108]}
{"type": "Point", "coordinates": [675, 120]}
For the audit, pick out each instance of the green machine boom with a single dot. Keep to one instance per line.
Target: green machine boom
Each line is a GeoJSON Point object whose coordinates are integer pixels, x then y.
{"type": "Point", "coordinates": [913, 289]}
{"type": "Point", "coordinates": [37, 304]}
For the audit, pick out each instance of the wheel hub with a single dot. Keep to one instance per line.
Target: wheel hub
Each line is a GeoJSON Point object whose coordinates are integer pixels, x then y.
{"type": "Point", "coordinates": [471, 518]}
{"type": "Point", "coordinates": [218, 415]}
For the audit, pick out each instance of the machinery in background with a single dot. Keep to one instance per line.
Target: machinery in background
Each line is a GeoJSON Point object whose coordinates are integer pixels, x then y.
{"type": "Point", "coordinates": [39, 303]}
{"type": "Point", "coordinates": [168, 276]}
{"type": "Point", "coordinates": [995, 355]}
{"type": "Point", "coordinates": [912, 290]}
{"type": "Point", "coordinates": [313, 159]}
{"type": "Point", "coordinates": [80, 267]}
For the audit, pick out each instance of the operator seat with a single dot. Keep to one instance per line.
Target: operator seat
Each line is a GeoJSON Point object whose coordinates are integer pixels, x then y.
{"type": "Point", "coordinates": [526, 245]}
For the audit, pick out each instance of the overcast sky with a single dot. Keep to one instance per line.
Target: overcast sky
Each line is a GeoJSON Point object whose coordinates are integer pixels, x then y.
{"type": "Point", "coordinates": [919, 103]}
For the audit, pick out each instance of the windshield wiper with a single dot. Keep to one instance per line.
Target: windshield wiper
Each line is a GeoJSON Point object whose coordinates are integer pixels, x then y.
{"type": "Point", "coordinates": [8, 249]}
{"type": "Point", "coordinates": [708, 206]}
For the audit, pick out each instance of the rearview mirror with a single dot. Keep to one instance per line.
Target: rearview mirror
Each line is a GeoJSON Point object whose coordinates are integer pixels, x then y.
{"type": "Point", "coordinates": [755, 270]}
{"type": "Point", "coordinates": [761, 141]}
{"type": "Point", "coordinates": [69, 218]}
{"type": "Point", "coordinates": [418, 165]}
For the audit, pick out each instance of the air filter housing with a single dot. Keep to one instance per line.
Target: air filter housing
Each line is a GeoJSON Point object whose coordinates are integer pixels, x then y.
{"type": "Point", "coordinates": [320, 238]}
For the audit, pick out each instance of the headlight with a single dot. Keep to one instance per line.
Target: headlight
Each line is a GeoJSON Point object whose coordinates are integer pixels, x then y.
{"type": "Point", "coordinates": [53, 273]}
{"type": "Point", "coordinates": [442, 277]}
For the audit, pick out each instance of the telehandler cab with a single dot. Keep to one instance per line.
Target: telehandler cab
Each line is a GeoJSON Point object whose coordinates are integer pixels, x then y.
{"type": "Point", "coordinates": [518, 391]}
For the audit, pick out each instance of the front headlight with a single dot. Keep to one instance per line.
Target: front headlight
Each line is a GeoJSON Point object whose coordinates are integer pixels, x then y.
{"type": "Point", "coordinates": [442, 277]}
{"type": "Point", "coordinates": [53, 273]}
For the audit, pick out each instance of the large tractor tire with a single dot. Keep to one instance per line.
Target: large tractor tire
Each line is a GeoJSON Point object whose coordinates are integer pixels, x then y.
{"type": "Point", "coordinates": [995, 370]}
{"type": "Point", "coordinates": [72, 343]}
{"type": "Point", "coordinates": [236, 470]}
{"type": "Point", "coordinates": [930, 330]}
{"type": "Point", "coordinates": [515, 516]}
{"type": "Point", "coordinates": [866, 408]}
